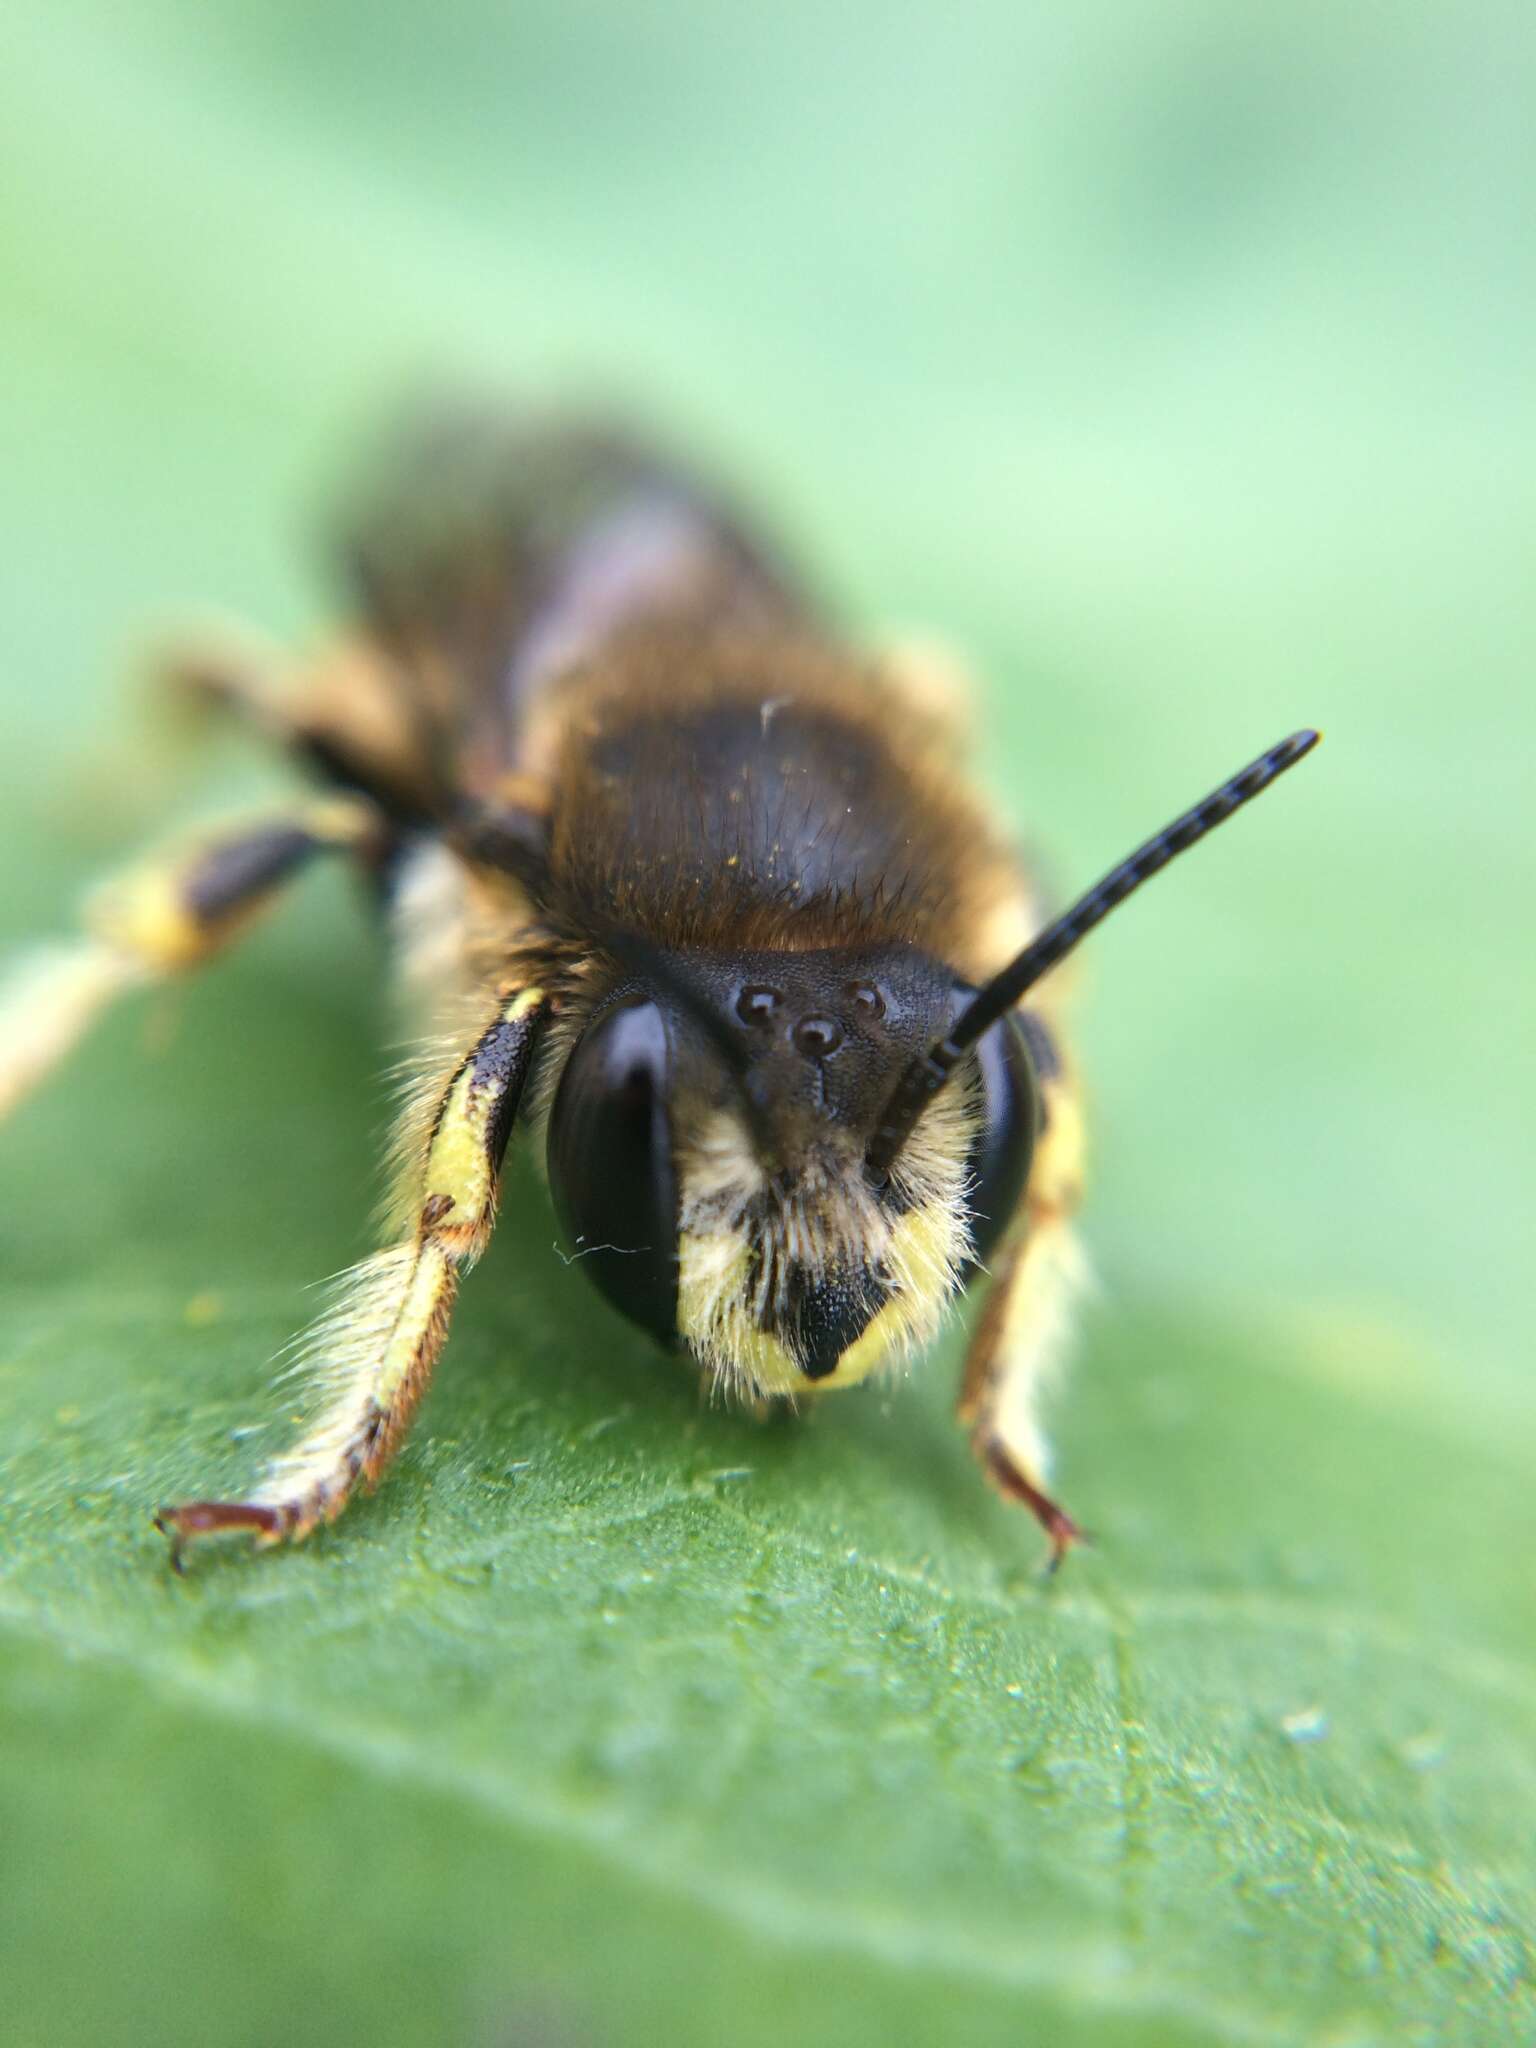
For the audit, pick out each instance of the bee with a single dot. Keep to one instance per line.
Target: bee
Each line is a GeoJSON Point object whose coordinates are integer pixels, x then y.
{"type": "Point", "coordinates": [695, 892]}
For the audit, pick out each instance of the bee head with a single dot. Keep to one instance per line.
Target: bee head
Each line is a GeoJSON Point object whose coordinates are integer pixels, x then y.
{"type": "Point", "coordinates": [789, 1161]}
{"type": "Point", "coordinates": [708, 1147]}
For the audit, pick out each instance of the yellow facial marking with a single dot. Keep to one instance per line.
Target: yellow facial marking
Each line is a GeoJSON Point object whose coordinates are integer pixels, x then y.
{"type": "Point", "coordinates": [717, 1312]}
{"type": "Point", "coordinates": [921, 1257]}
{"type": "Point", "coordinates": [715, 1315]}
{"type": "Point", "coordinates": [924, 1250]}
{"type": "Point", "coordinates": [872, 1349]}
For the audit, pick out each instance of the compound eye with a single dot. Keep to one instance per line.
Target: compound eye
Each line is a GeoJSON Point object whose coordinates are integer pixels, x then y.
{"type": "Point", "coordinates": [1005, 1142]}
{"type": "Point", "coordinates": [610, 1164]}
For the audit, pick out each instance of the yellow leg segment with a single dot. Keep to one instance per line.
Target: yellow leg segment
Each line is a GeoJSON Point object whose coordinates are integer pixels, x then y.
{"type": "Point", "coordinates": [48, 1000]}
{"type": "Point", "coordinates": [162, 918]}
{"type": "Point", "coordinates": [370, 1359]}
{"type": "Point", "coordinates": [1022, 1334]}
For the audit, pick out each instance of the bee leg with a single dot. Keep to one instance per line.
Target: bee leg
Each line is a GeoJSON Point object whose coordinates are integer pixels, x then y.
{"type": "Point", "coordinates": [225, 668]}
{"type": "Point", "coordinates": [371, 1357]}
{"type": "Point", "coordinates": [347, 714]}
{"type": "Point", "coordinates": [171, 914]}
{"type": "Point", "coordinates": [1026, 1322]}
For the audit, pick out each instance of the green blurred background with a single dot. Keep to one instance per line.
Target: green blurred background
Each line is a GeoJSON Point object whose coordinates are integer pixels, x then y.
{"type": "Point", "coordinates": [1175, 363]}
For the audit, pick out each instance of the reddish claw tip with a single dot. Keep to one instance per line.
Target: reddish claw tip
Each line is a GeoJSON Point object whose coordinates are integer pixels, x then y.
{"type": "Point", "coordinates": [166, 1524]}
{"type": "Point", "coordinates": [1060, 1529]}
{"type": "Point", "coordinates": [214, 1518]}
{"type": "Point", "coordinates": [1062, 1533]}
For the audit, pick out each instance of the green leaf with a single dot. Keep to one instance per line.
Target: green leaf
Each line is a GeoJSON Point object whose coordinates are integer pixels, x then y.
{"type": "Point", "coordinates": [1172, 373]}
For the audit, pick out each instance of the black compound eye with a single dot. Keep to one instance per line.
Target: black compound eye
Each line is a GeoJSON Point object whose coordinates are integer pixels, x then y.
{"type": "Point", "coordinates": [1005, 1141]}
{"type": "Point", "coordinates": [610, 1164]}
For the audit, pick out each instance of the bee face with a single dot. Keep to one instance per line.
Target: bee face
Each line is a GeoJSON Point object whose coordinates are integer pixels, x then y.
{"type": "Point", "coordinates": [706, 1152]}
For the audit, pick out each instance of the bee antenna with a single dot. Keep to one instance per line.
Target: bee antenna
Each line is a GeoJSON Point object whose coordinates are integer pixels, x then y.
{"type": "Point", "coordinates": [928, 1074]}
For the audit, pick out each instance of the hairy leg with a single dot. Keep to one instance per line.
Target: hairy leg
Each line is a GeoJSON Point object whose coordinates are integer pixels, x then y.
{"type": "Point", "coordinates": [172, 913]}
{"type": "Point", "coordinates": [371, 1357]}
{"type": "Point", "coordinates": [348, 713]}
{"type": "Point", "coordinates": [1027, 1319]}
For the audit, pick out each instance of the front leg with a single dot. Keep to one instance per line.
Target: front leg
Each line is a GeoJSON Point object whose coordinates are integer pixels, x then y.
{"type": "Point", "coordinates": [1019, 1340]}
{"type": "Point", "coordinates": [372, 1356]}
{"type": "Point", "coordinates": [1026, 1322]}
